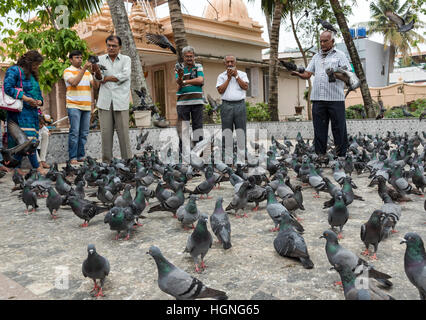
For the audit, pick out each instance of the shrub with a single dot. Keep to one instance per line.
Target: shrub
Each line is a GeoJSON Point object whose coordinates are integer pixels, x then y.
{"type": "Point", "coordinates": [350, 114]}
{"type": "Point", "coordinates": [355, 111]}
{"type": "Point", "coordinates": [258, 112]}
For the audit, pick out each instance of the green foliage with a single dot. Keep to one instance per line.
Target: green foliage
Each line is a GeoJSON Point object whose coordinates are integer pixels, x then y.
{"type": "Point", "coordinates": [258, 112]}
{"type": "Point", "coordinates": [350, 114]}
{"type": "Point", "coordinates": [418, 106]}
{"type": "Point", "coordinates": [213, 118]}
{"type": "Point", "coordinates": [355, 111]}
{"type": "Point", "coordinates": [49, 33]}
{"type": "Point", "coordinates": [397, 113]}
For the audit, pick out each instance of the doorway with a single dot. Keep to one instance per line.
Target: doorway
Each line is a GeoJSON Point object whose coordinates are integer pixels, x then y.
{"type": "Point", "coordinates": [160, 91]}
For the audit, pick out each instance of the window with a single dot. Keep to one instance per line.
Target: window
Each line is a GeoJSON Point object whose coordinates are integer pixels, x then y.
{"type": "Point", "coordinates": [248, 71]}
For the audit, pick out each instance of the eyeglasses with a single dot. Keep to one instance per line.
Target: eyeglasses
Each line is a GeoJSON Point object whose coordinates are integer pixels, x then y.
{"type": "Point", "coordinates": [112, 45]}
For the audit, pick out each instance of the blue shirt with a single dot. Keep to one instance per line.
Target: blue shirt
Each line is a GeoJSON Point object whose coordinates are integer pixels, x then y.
{"type": "Point", "coordinates": [322, 90]}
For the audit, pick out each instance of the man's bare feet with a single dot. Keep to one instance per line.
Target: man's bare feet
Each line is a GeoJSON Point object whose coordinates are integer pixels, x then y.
{"type": "Point", "coordinates": [42, 171]}
{"type": "Point", "coordinates": [73, 161]}
{"type": "Point", "coordinates": [44, 165]}
{"type": "Point", "coordinates": [5, 169]}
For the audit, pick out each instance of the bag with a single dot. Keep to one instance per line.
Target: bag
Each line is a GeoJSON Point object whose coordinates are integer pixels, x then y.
{"type": "Point", "coordinates": [12, 104]}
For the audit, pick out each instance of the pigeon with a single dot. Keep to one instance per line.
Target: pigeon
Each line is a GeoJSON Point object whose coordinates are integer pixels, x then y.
{"type": "Point", "coordinates": [372, 233]}
{"type": "Point", "coordinates": [419, 180]}
{"type": "Point", "coordinates": [355, 289]}
{"type": "Point", "coordinates": [290, 66]}
{"type": "Point", "coordinates": [349, 78]}
{"type": "Point", "coordinates": [415, 262]}
{"type": "Point", "coordinates": [400, 22]}
{"type": "Point", "coordinates": [170, 204]}
{"type": "Point", "coordinates": [407, 114]}
{"type": "Point", "coordinates": [105, 195]}
{"type": "Point", "coordinates": [276, 210]}
{"type": "Point", "coordinates": [207, 185]}
{"type": "Point", "coordinates": [53, 202]}
{"type": "Point", "coordinates": [29, 198]}
{"type": "Point", "coordinates": [18, 180]}
{"type": "Point", "coordinates": [290, 243]}
{"type": "Point", "coordinates": [326, 25]}
{"type": "Point", "coordinates": [338, 214]}
{"type": "Point", "coordinates": [219, 221]}
{"type": "Point", "coordinates": [422, 115]}
{"type": "Point", "coordinates": [188, 214]}
{"type": "Point", "coordinates": [138, 205]}
{"type": "Point", "coordinates": [316, 181]}
{"type": "Point", "coordinates": [140, 139]}
{"type": "Point", "coordinates": [161, 41]}
{"type": "Point", "coordinates": [255, 193]}
{"type": "Point", "coordinates": [199, 242]}
{"type": "Point", "coordinates": [392, 214]}
{"type": "Point", "coordinates": [96, 267]}
{"type": "Point", "coordinates": [85, 209]}
{"type": "Point", "coordinates": [125, 199]}
{"type": "Point", "coordinates": [61, 186]}
{"type": "Point", "coordinates": [120, 219]}
{"type": "Point", "coordinates": [179, 284]}
{"type": "Point", "coordinates": [239, 200]}
{"type": "Point", "coordinates": [337, 254]}
{"type": "Point", "coordinates": [213, 103]}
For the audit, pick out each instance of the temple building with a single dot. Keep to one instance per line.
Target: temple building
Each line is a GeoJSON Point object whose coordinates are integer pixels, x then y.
{"type": "Point", "coordinates": [225, 28]}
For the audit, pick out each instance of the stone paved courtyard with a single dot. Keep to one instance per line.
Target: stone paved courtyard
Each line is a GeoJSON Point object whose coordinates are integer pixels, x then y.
{"type": "Point", "coordinates": [34, 248]}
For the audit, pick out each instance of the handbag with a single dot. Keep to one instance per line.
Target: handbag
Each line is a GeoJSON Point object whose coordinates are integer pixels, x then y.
{"type": "Point", "coordinates": [9, 103]}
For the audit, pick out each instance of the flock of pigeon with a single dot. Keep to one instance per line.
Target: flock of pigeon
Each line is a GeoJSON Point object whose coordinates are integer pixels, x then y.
{"type": "Point", "coordinates": [385, 159]}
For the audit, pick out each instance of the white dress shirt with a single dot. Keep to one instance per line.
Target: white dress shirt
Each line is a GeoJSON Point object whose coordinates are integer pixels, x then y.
{"type": "Point", "coordinates": [117, 92]}
{"type": "Point", "coordinates": [233, 92]}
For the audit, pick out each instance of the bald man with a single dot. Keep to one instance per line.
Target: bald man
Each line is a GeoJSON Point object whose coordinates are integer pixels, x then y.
{"type": "Point", "coordinates": [327, 96]}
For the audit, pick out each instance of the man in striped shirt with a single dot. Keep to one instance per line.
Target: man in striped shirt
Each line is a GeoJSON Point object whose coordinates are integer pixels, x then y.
{"type": "Point", "coordinates": [190, 101]}
{"type": "Point", "coordinates": [79, 103]}
{"type": "Point", "coordinates": [328, 97]}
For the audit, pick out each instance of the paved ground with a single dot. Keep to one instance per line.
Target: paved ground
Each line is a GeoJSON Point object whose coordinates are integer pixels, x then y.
{"type": "Point", "coordinates": [35, 250]}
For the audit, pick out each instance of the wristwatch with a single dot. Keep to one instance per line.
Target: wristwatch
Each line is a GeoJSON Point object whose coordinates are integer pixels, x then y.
{"type": "Point", "coordinates": [236, 78]}
{"type": "Point", "coordinates": [184, 82]}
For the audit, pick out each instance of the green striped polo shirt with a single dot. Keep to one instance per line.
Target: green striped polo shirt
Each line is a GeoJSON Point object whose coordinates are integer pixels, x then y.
{"type": "Point", "coordinates": [190, 94]}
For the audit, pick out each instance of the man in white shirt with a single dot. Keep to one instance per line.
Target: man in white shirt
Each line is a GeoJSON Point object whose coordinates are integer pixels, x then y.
{"type": "Point", "coordinates": [232, 84]}
{"type": "Point", "coordinates": [114, 98]}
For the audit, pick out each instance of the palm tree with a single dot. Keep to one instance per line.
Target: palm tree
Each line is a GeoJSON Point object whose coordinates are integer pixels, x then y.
{"type": "Point", "coordinates": [178, 26]}
{"type": "Point", "coordinates": [396, 41]}
{"type": "Point", "coordinates": [353, 53]}
{"type": "Point", "coordinates": [123, 30]}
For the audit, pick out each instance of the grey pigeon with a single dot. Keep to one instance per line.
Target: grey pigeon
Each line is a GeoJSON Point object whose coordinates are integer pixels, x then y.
{"type": "Point", "coordinates": [120, 219]}
{"type": "Point", "coordinates": [399, 21]}
{"type": "Point", "coordinates": [29, 198]}
{"type": "Point", "coordinates": [125, 199]}
{"type": "Point", "coordinates": [338, 214]}
{"type": "Point", "coordinates": [315, 180]}
{"type": "Point", "coordinates": [179, 284]}
{"type": "Point", "coordinates": [96, 267]}
{"type": "Point", "coordinates": [53, 202]}
{"type": "Point", "coordinates": [207, 185]}
{"type": "Point", "coordinates": [239, 200]}
{"type": "Point", "coordinates": [372, 232]}
{"type": "Point", "coordinates": [392, 214]}
{"type": "Point", "coordinates": [199, 242]}
{"type": "Point", "coordinates": [337, 254]}
{"type": "Point", "coordinates": [365, 290]}
{"type": "Point", "coordinates": [276, 210]}
{"type": "Point", "coordinates": [189, 213]}
{"type": "Point", "coordinates": [415, 262]}
{"type": "Point", "coordinates": [326, 25]}
{"type": "Point", "coordinates": [290, 243]}
{"type": "Point", "coordinates": [85, 209]}
{"type": "Point", "coordinates": [161, 41]}
{"type": "Point", "coordinates": [219, 221]}
{"type": "Point", "coordinates": [170, 204]}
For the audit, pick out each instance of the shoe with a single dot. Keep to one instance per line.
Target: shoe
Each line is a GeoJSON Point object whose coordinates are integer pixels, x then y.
{"type": "Point", "coordinates": [44, 164]}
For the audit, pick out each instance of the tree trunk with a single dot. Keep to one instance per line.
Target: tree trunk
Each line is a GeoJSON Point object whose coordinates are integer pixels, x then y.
{"type": "Point", "coordinates": [178, 27]}
{"type": "Point", "coordinates": [366, 96]}
{"type": "Point", "coordinates": [273, 60]}
{"type": "Point", "coordinates": [392, 51]}
{"type": "Point", "coordinates": [123, 30]}
{"type": "Point", "coordinates": [305, 60]}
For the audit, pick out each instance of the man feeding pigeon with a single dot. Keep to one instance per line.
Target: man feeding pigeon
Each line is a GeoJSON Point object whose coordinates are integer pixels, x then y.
{"type": "Point", "coordinates": [232, 84]}
{"type": "Point", "coordinates": [328, 95]}
{"type": "Point", "coordinates": [114, 98]}
{"type": "Point", "coordinates": [190, 102]}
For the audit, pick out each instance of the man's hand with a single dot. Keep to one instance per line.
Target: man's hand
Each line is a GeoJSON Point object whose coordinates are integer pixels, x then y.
{"type": "Point", "coordinates": [109, 78]}
{"type": "Point", "coordinates": [87, 65]}
{"type": "Point", "coordinates": [295, 73]}
{"type": "Point", "coordinates": [229, 73]}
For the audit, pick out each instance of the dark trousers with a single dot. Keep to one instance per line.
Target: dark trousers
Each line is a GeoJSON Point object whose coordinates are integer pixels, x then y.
{"type": "Point", "coordinates": [193, 113]}
{"type": "Point", "coordinates": [322, 113]}
{"type": "Point", "coordinates": [233, 116]}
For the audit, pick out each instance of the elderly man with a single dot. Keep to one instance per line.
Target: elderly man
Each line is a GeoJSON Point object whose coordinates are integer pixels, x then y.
{"type": "Point", "coordinates": [114, 98]}
{"type": "Point", "coordinates": [190, 101]}
{"type": "Point", "coordinates": [328, 96]}
{"type": "Point", "coordinates": [232, 84]}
